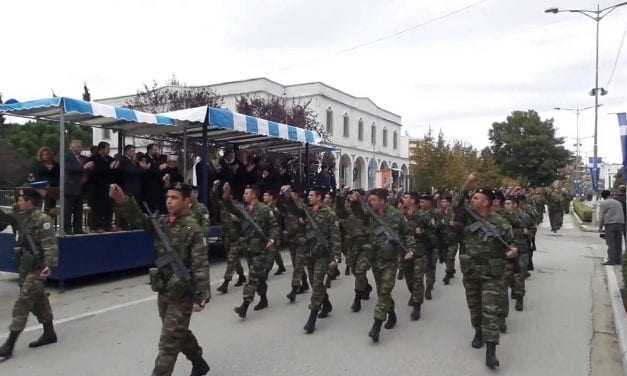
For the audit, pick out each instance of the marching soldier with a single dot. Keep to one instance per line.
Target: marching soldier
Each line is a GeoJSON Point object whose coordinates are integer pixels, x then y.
{"type": "Point", "coordinates": [426, 209]}
{"type": "Point", "coordinates": [413, 263]}
{"type": "Point", "coordinates": [556, 210]}
{"type": "Point", "coordinates": [270, 199]}
{"type": "Point", "coordinates": [37, 256]}
{"type": "Point", "coordinates": [328, 202]}
{"type": "Point", "coordinates": [449, 242]}
{"type": "Point", "coordinates": [182, 275]}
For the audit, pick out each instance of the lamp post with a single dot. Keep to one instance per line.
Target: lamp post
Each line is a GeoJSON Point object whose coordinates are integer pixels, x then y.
{"type": "Point", "coordinates": [595, 15]}
{"type": "Point", "coordinates": [577, 111]}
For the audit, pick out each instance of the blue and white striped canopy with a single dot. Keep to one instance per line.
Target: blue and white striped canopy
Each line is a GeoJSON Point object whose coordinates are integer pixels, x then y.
{"type": "Point", "coordinates": [85, 113]}
{"type": "Point", "coordinates": [233, 127]}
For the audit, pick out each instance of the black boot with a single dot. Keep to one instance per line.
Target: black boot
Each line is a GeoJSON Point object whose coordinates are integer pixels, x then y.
{"type": "Point", "coordinates": [292, 295]}
{"type": "Point", "coordinates": [240, 280]}
{"type": "Point", "coordinates": [327, 281]}
{"type": "Point", "coordinates": [347, 271]}
{"type": "Point", "coordinates": [241, 310]}
{"type": "Point", "coordinates": [391, 323]}
{"type": "Point", "coordinates": [48, 336]}
{"type": "Point", "coordinates": [376, 330]}
{"type": "Point", "coordinates": [356, 307]}
{"type": "Point", "coordinates": [310, 326]}
{"type": "Point", "coordinates": [447, 279]}
{"type": "Point", "coordinates": [415, 313]}
{"type": "Point", "coordinates": [199, 366]}
{"type": "Point", "coordinates": [503, 328]}
{"type": "Point", "coordinates": [263, 303]}
{"type": "Point", "coordinates": [281, 268]}
{"type": "Point", "coordinates": [490, 355]}
{"type": "Point", "coordinates": [6, 350]}
{"type": "Point", "coordinates": [305, 285]}
{"type": "Point", "coordinates": [224, 287]}
{"type": "Point", "coordinates": [519, 304]}
{"type": "Point", "coordinates": [366, 294]}
{"type": "Point", "coordinates": [428, 295]}
{"type": "Point", "coordinates": [327, 307]}
{"type": "Point", "coordinates": [477, 341]}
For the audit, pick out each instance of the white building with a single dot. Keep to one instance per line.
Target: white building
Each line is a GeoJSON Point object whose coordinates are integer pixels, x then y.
{"type": "Point", "coordinates": [371, 151]}
{"type": "Point", "coordinates": [608, 172]}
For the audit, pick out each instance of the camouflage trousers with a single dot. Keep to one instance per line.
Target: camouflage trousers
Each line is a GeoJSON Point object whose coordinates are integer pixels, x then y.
{"type": "Point", "coordinates": [233, 252]}
{"type": "Point", "coordinates": [317, 269]}
{"type": "Point", "coordinates": [414, 271]}
{"type": "Point", "coordinates": [33, 298]}
{"type": "Point", "coordinates": [506, 282]}
{"type": "Point", "coordinates": [257, 276]}
{"type": "Point", "coordinates": [175, 337]}
{"type": "Point", "coordinates": [360, 268]}
{"type": "Point", "coordinates": [275, 257]}
{"type": "Point", "coordinates": [430, 268]}
{"type": "Point", "coordinates": [483, 282]}
{"type": "Point", "coordinates": [451, 253]}
{"type": "Point", "coordinates": [556, 218]}
{"type": "Point", "coordinates": [385, 277]}
{"type": "Point", "coordinates": [297, 254]}
{"type": "Point", "coordinates": [518, 287]}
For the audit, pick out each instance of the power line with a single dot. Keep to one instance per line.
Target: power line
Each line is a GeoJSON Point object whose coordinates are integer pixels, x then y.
{"type": "Point", "coordinates": [620, 49]}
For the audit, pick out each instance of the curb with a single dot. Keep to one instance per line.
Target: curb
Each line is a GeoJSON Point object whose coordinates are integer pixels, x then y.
{"type": "Point", "coordinates": [583, 227]}
{"type": "Point", "coordinates": [620, 316]}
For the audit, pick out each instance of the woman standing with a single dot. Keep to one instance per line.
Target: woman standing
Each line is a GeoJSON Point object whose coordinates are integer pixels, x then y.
{"type": "Point", "coordinates": [47, 168]}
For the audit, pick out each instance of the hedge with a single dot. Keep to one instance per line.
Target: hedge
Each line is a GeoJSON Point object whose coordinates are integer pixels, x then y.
{"type": "Point", "coordinates": [583, 211]}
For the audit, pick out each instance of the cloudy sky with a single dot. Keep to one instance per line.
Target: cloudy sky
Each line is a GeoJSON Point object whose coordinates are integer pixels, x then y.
{"type": "Point", "coordinates": [458, 73]}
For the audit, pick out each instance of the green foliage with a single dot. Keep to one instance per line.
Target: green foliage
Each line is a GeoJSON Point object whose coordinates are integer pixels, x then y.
{"type": "Point", "coordinates": [28, 138]}
{"type": "Point", "coordinates": [584, 212]}
{"type": "Point", "coordinates": [174, 96]}
{"type": "Point", "coordinates": [525, 147]}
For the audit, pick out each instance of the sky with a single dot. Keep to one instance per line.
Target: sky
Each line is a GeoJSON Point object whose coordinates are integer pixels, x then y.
{"type": "Point", "coordinates": [452, 65]}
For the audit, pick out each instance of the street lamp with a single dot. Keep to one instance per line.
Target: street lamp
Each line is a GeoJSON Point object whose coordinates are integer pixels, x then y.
{"type": "Point", "coordinates": [578, 111]}
{"type": "Point", "coordinates": [595, 15]}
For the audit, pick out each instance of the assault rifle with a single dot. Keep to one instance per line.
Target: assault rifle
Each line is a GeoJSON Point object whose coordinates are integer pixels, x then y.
{"type": "Point", "coordinates": [390, 234]}
{"type": "Point", "coordinates": [322, 241]}
{"type": "Point", "coordinates": [244, 213]}
{"type": "Point", "coordinates": [170, 257]}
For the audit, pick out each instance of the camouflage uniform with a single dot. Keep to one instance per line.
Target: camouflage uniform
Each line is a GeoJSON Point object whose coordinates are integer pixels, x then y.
{"type": "Point", "coordinates": [538, 201]}
{"type": "Point", "coordinates": [415, 268]}
{"type": "Point", "coordinates": [33, 297]}
{"type": "Point", "coordinates": [431, 241]}
{"type": "Point", "coordinates": [275, 254]}
{"type": "Point", "coordinates": [483, 266]}
{"type": "Point", "coordinates": [230, 226]}
{"type": "Point", "coordinates": [255, 246]}
{"type": "Point", "coordinates": [175, 297]}
{"type": "Point", "coordinates": [556, 211]}
{"type": "Point", "coordinates": [448, 239]}
{"type": "Point", "coordinates": [295, 238]}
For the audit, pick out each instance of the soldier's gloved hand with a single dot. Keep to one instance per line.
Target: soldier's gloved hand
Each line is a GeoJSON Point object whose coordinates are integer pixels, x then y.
{"type": "Point", "coordinates": [511, 253]}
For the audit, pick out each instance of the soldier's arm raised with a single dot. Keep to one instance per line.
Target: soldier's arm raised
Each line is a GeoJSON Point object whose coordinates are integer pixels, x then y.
{"type": "Point", "coordinates": [127, 207]}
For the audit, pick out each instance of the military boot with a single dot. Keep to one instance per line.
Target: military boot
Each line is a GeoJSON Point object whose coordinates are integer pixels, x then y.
{"type": "Point", "coordinates": [327, 307]}
{"type": "Point", "coordinates": [240, 280]}
{"type": "Point", "coordinates": [477, 341]}
{"type": "Point", "coordinates": [366, 294]}
{"type": "Point", "coordinates": [199, 366]}
{"type": "Point", "coordinates": [310, 326]}
{"type": "Point", "coordinates": [356, 307]}
{"type": "Point", "coordinates": [263, 303]}
{"type": "Point", "coordinates": [48, 336]}
{"type": "Point", "coordinates": [241, 310]}
{"type": "Point", "coordinates": [292, 295]}
{"type": "Point", "coordinates": [224, 287]}
{"type": "Point", "coordinates": [6, 350]}
{"type": "Point", "coordinates": [447, 279]}
{"type": "Point", "coordinates": [519, 304]}
{"type": "Point", "coordinates": [415, 313]}
{"type": "Point", "coordinates": [281, 268]}
{"type": "Point", "coordinates": [304, 287]}
{"type": "Point", "coordinates": [428, 295]}
{"type": "Point", "coordinates": [376, 330]}
{"type": "Point", "coordinates": [347, 271]}
{"type": "Point", "coordinates": [391, 323]}
{"type": "Point", "coordinates": [490, 355]}
{"type": "Point", "coordinates": [503, 327]}
{"type": "Point", "coordinates": [327, 281]}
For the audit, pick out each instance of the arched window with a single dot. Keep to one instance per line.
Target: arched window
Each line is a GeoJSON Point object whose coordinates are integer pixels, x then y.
{"type": "Point", "coordinates": [329, 121]}
{"type": "Point", "coordinates": [385, 137]}
{"type": "Point", "coordinates": [360, 130]}
{"type": "Point", "coordinates": [346, 125]}
{"type": "Point", "coordinates": [373, 134]}
{"type": "Point", "coordinates": [395, 140]}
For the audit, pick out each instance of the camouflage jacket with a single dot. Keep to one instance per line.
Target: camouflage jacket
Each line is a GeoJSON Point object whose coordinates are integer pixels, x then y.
{"type": "Point", "coordinates": [445, 228]}
{"type": "Point", "coordinates": [385, 249]}
{"type": "Point", "coordinates": [554, 199]}
{"type": "Point", "coordinates": [229, 223]}
{"type": "Point", "coordinates": [482, 249]}
{"type": "Point", "coordinates": [416, 225]}
{"type": "Point", "coordinates": [278, 215]}
{"type": "Point", "coordinates": [263, 216]}
{"type": "Point", "coordinates": [187, 240]}
{"type": "Point", "coordinates": [201, 215]}
{"type": "Point", "coordinates": [353, 219]}
{"type": "Point", "coordinates": [294, 224]}
{"type": "Point", "coordinates": [39, 226]}
{"type": "Point", "coordinates": [325, 227]}
{"type": "Point", "coordinates": [520, 222]}
{"type": "Point", "coordinates": [431, 219]}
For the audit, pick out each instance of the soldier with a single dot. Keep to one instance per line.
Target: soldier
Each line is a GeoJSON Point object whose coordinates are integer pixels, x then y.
{"type": "Point", "coordinates": [566, 199]}
{"type": "Point", "coordinates": [230, 226]}
{"type": "Point", "coordinates": [556, 211]}
{"type": "Point", "coordinates": [426, 209]}
{"type": "Point", "coordinates": [321, 239]}
{"type": "Point", "coordinates": [534, 220]}
{"type": "Point", "coordinates": [258, 230]}
{"type": "Point", "coordinates": [329, 203]}
{"type": "Point", "coordinates": [349, 209]}
{"type": "Point", "coordinates": [181, 280]}
{"type": "Point", "coordinates": [289, 201]}
{"type": "Point", "coordinates": [447, 236]}
{"type": "Point", "coordinates": [413, 263]}
{"type": "Point", "coordinates": [270, 199]}
{"type": "Point", "coordinates": [388, 235]}
{"type": "Point", "coordinates": [498, 208]}
{"type": "Point", "coordinates": [200, 212]}
{"type": "Point", "coordinates": [37, 257]}
{"type": "Point", "coordinates": [485, 236]}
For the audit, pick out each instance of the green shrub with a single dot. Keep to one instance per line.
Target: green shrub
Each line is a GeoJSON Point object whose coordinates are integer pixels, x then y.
{"type": "Point", "coordinates": [583, 211]}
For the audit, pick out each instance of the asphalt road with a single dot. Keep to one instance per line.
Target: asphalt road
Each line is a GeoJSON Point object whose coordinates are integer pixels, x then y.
{"type": "Point", "coordinates": [111, 327]}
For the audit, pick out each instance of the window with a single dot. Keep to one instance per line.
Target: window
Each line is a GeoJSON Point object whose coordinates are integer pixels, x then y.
{"type": "Point", "coordinates": [395, 140]}
{"type": "Point", "coordinates": [346, 125]}
{"type": "Point", "coordinates": [329, 121]}
{"type": "Point", "coordinates": [106, 134]}
{"type": "Point", "coordinates": [360, 130]}
{"type": "Point", "coordinates": [373, 134]}
{"type": "Point", "coordinates": [385, 137]}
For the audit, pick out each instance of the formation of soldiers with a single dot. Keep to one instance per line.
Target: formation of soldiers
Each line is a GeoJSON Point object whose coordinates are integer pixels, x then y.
{"type": "Point", "coordinates": [493, 232]}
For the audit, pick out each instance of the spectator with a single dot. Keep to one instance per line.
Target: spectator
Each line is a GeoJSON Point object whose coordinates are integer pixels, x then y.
{"type": "Point", "coordinates": [101, 178]}
{"type": "Point", "coordinates": [74, 173]}
{"type": "Point", "coordinates": [170, 174]}
{"type": "Point", "coordinates": [130, 174]}
{"type": "Point", "coordinates": [267, 181]}
{"type": "Point", "coordinates": [611, 217]}
{"type": "Point", "coordinates": [46, 168]}
{"type": "Point", "coordinates": [153, 191]}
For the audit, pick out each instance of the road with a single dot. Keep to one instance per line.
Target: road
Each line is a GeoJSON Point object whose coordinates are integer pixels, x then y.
{"type": "Point", "coordinates": [111, 327]}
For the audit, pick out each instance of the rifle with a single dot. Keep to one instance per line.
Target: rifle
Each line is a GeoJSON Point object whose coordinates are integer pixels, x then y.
{"type": "Point", "coordinates": [391, 235]}
{"type": "Point", "coordinates": [244, 213]}
{"type": "Point", "coordinates": [489, 231]}
{"type": "Point", "coordinates": [170, 257]}
{"type": "Point", "coordinates": [322, 241]}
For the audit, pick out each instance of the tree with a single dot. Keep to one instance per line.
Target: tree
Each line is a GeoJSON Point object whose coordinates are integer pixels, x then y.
{"type": "Point", "coordinates": [525, 147]}
{"type": "Point", "coordinates": [274, 109]}
{"type": "Point", "coordinates": [155, 99]}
